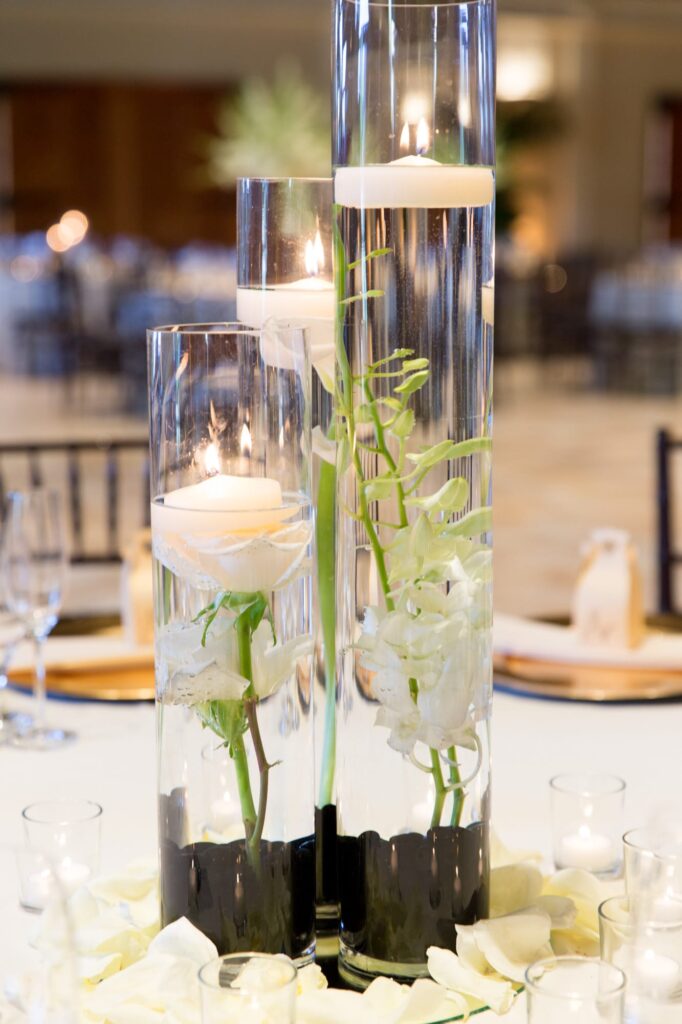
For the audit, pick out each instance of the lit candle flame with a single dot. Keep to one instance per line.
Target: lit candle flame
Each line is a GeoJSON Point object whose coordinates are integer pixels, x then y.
{"type": "Point", "coordinates": [212, 460]}
{"type": "Point", "coordinates": [245, 441]}
{"type": "Point", "coordinates": [405, 137]}
{"type": "Point", "coordinates": [314, 255]}
{"type": "Point", "coordinates": [423, 136]}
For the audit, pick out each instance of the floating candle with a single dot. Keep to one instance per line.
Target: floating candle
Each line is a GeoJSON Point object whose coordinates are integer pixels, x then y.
{"type": "Point", "coordinates": [414, 182]}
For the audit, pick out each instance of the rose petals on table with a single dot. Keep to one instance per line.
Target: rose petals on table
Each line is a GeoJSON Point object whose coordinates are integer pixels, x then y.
{"type": "Point", "coordinates": [450, 971]}
{"type": "Point", "coordinates": [514, 887]}
{"type": "Point", "coordinates": [511, 943]}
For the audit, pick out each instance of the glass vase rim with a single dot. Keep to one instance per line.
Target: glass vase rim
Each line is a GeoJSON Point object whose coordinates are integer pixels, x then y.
{"type": "Point", "coordinates": [604, 967]}
{"type": "Point", "coordinates": [415, 3]}
{"type": "Point", "coordinates": [280, 179]}
{"type": "Point", "coordinates": [616, 784]}
{"type": "Point", "coordinates": [235, 328]}
{"type": "Point", "coordinates": [92, 811]}
{"type": "Point", "coordinates": [660, 850]}
{"type": "Point", "coordinates": [246, 959]}
{"type": "Point", "coordinates": [646, 921]}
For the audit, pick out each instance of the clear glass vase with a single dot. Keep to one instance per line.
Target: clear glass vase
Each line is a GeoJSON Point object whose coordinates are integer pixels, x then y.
{"type": "Point", "coordinates": [414, 207]}
{"type": "Point", "coordinates": [284, 247]}
{"type": "Point", "coordinates": [232, 534]}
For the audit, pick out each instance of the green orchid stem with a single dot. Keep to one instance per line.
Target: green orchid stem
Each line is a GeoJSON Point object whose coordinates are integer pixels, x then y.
{"type": "Point", "coordinates": [253, 820]}
{"type": "Point", "coordinates": [441, 791]}
{"type": "Point", "coordinates": [326, 588]}
{"type": "Point", "coordinates": [457, 792]}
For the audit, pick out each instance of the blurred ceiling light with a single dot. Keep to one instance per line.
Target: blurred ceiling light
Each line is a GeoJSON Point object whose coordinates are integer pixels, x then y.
{"type": "Point", "coordinates": [54, 239]}
{"type": "Point", "coordinates": [524, 74]}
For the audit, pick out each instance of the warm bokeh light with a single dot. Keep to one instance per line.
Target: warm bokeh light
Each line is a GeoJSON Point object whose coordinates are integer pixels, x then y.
{"type": "Point", "coordinates": [55, 239]}
{"type": "Point", "coordinates": [523, 74]}
{"type": "Point", "coordinates": [73, 226]}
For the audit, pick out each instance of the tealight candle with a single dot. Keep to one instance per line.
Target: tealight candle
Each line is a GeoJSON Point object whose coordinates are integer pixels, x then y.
{"type": "Point", "coordinates": [588, 850]}
{"type": "Point", "coordinates": [658, 975]}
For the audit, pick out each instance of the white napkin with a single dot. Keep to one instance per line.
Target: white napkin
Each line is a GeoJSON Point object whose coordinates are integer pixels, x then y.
{"type": "Point", "coordinates": [541, 641]}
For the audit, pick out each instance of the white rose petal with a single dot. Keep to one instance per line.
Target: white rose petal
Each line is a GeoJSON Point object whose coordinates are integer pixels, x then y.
{"type": "Point", "coordinates": [513, 887]}
{"type": "Point", "coordinates": [310, 979]}
{"type": "Point", "coordinates": [510, 944]}
{"type": "Point", "coordinates": [333, 1006]}
{"type": "Point", "coordinates": [446, 968]}
{"type": "Point", "coordinates": [182, 939]}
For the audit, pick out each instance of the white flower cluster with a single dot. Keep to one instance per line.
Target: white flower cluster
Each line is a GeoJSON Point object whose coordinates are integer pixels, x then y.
{"type": "Point", "coordinates": [195, 664]}
{"type": "Point", "coordinates": [437, 636]}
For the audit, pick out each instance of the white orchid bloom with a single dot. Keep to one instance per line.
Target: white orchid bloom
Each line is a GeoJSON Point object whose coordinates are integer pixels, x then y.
{"type": "Point", "coordinates": [323, 446]}
{"type": "Point", "coordinates": [273, 663]}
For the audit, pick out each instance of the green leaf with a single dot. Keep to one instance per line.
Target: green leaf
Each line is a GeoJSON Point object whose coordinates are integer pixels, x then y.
{"type": "Point", "coordinates": [225, 718]}
{"type": "Point", "coordinates": [449, 450]}
{"type": "Point", "coordinates": [373, 293]}
{"type": "Point", "coordinates": [370, 256]}
{"type": "Point", "coordinates": [451, 497]}
{"type": "Point", "coordinates": [410, 365]}
{"type": "Point", "coordinates": [379, 488]}
{"type": "Point", "coordinates": [412, 383]}
{"type": "Point", "coordinates": [403, 425]}
{"type": "Point", "coordinates": [479, 520]}
{"type": "Point", "coordinates": [397, 353]}
{"type": "Point", "coordinates": [391, 403]}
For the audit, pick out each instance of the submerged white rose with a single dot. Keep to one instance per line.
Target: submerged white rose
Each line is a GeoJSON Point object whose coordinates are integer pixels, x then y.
{"type": "Point", "coordinates": [191, 672]}
{"type": "Point", "coordinates": [264, 560]}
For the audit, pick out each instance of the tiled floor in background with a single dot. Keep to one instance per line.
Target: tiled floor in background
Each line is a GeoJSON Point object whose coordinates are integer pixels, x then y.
{"type": "Point", "coordinates": [566, 461]}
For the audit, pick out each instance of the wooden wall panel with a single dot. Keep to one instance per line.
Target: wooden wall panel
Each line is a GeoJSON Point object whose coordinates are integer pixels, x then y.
{"type": "Point", "coordinates": [130, 156]}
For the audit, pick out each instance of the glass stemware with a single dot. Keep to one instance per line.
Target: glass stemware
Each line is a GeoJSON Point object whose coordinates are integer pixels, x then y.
{"type": "Point", "coordinates": [12, 632]}
{"type": "Point", "coordinates": [34, 568]}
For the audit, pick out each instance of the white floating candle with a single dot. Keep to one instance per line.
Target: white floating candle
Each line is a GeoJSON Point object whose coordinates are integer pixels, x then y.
{"type": "Point", "coordinates": [414, 182]}
{"type": "Point", "coordinates": [221, 504]}
{"type": "Point", "coordinates": [586, 849]}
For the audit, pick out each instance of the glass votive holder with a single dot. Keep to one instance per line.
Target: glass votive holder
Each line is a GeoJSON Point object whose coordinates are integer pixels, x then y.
{"type": "Point", "coordinates": [649, 950]}
{"type": "Point", "coordinates": [652, 861]}
{"type": "Point", "coordinates": [66, 835]}
{"type": "Point", "coordinates": [248, 988]}
{"type": "Point", "coordinates": [222, 820]}
{"type": "Point", "coordinates": [574, 990]}
{"type": "Point", "coordinates": [587, 821]}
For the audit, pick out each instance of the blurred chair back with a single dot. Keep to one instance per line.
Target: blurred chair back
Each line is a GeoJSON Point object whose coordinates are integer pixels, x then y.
{"type": "Point", "coordinates": [104, 484]}
{"type": "Point", "coordinates": [669, 552]}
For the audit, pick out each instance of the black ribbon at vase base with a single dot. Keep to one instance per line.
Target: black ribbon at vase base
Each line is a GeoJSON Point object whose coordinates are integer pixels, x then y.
{"type": "Point", "coordinates": [268, 907]}
{"type": "Point", "coordinates": [401, 895]}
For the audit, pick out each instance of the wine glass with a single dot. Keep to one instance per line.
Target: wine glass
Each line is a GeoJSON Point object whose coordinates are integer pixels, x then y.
{"type": "Point", "coordinates": [12, 631]}
{"type": "Point", "coordinates": [34, 567]}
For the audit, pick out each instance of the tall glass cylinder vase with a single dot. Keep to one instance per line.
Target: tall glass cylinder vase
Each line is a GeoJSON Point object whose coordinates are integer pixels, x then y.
{"type": "Point", "coordinates": [232, 533]}
{"type": "Point", "coordinates": [284, 247]}
{"type": "Point", "coordinates": [414, 205]}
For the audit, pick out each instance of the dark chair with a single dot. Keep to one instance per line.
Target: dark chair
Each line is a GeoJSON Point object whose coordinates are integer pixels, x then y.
{"type": "Point", "coordinates": [669, 555]}
{"type": "Point", "coordinates": [61, 465]}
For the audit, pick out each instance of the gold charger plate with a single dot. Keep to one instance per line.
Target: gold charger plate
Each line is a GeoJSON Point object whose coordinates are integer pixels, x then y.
{"type": "Point", "coordinates": [103, 680]}
{"type": "Point", "coordinates": [584, 682]}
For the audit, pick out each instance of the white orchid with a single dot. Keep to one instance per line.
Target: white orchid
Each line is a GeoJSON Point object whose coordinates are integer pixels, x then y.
{"type": "Point", "coordinates": [437, 639]}
{"type": "Point", "coordinates": [196, 664]}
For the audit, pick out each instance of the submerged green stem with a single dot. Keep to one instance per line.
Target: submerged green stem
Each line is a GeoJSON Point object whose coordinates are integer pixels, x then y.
{"type": "Point", "coordinates": [437, 773]}
{"type": "Point", "coordinates": [457, 791]}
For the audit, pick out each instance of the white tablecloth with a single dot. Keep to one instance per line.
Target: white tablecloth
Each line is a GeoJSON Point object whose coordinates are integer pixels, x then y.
{"type": "Point", "coordinates": [113, 762]}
